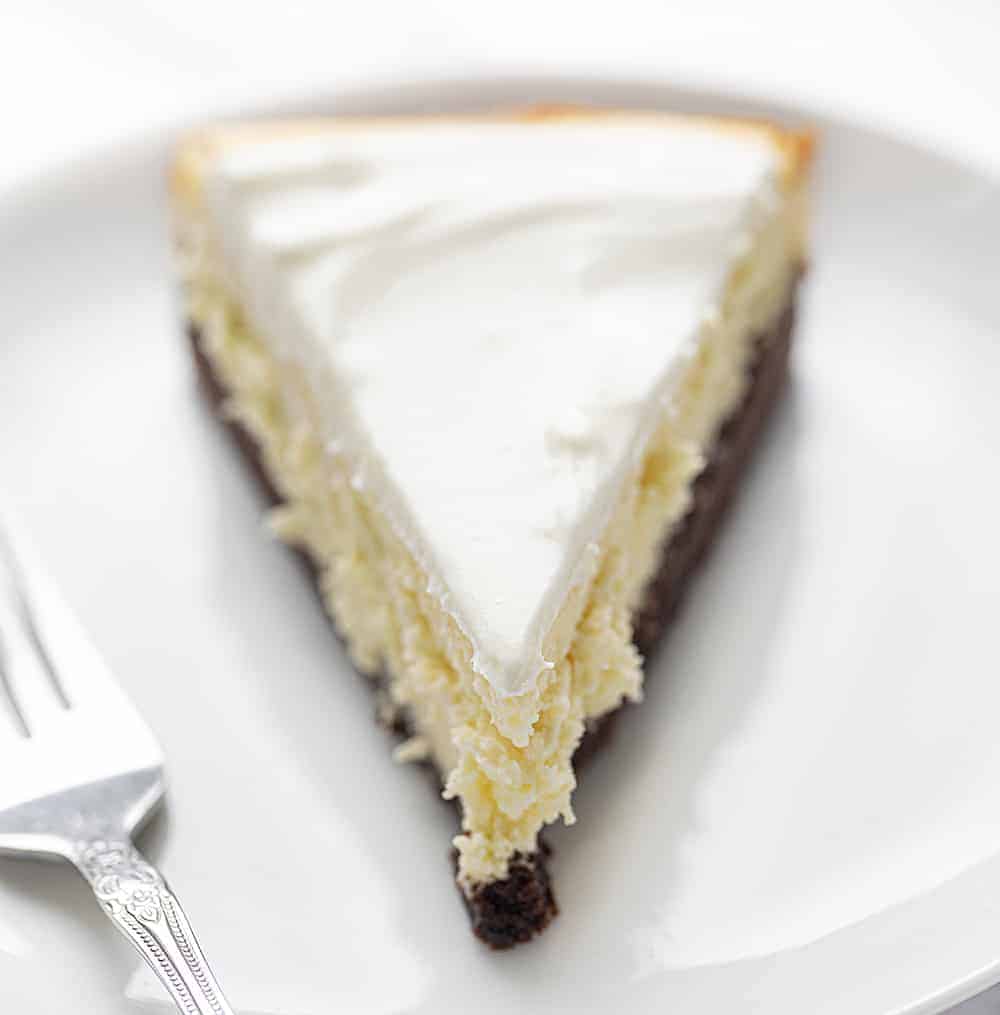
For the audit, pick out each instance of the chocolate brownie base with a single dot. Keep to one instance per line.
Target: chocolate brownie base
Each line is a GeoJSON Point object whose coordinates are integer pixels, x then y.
{"type": "Point", "coordinates": [714, 488]}
{"type": "Point", "coordinates": [508, 912]}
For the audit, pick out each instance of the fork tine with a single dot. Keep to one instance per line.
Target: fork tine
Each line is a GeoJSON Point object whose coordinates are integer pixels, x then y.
{"type": "Point", "coordinates": [8, 704]}
{"type": "Point", "coordinates": [23, 629]}
{"type": "Point", "coordinates": [79, 676]}
{"type": "Point", "coordinates": [31, 692]}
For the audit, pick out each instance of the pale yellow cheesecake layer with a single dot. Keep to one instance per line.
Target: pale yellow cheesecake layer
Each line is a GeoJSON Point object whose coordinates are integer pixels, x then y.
{"type": "Point", "coordinates": [506, 758]}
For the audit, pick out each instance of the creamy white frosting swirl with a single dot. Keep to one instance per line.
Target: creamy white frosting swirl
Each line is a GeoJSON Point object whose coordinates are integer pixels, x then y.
{"type": "Point", "coordinates": [493, 318]}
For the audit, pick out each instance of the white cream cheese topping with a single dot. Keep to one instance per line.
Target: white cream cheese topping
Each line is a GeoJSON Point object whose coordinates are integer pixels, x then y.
{"type": "Point", "coordinates": [493, 318]}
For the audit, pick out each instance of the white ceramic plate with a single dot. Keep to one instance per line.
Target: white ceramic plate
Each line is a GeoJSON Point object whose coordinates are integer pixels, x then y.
{"type": "Point", "coordinates": [805, 815]}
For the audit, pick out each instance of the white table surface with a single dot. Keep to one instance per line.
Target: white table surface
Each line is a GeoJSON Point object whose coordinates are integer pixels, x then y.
{"type": "Point", "coordinates": [73, 75]}
{"type": "Point", "coordinates": [76, 77]}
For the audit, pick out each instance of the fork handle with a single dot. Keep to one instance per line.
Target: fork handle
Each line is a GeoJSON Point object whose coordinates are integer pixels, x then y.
{"type": "Point", "coordinates": [140, 904]}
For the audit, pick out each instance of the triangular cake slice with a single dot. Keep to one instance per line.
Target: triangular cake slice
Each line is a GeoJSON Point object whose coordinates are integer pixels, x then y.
{"type": "Point", "coordinates": [502, 373]}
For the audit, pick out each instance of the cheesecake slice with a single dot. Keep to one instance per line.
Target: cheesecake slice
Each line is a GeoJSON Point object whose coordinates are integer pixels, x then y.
{"type": "Point", "coordinates": [501, 373]}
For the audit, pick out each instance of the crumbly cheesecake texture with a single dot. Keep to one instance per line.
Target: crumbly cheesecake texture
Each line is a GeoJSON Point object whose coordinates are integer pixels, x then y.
{"type": "Point", "coordinates": [513, 909]}
{"type": "Point", "coordinates": [484, 362]}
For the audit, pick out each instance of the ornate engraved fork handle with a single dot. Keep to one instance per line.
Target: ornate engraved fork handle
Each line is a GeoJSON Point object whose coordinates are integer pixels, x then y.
{"type": "Point", "coordinates": [141, 905]}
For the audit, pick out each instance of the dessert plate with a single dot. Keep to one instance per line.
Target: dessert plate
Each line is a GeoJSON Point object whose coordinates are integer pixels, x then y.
{"type": "Point", "coordinates": [804, 817]}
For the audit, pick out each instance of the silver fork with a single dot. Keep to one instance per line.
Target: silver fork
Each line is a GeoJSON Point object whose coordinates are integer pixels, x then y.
{"type": "Point", "coordinates": [80, 772]}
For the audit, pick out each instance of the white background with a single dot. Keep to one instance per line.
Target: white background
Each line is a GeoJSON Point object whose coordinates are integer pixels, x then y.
{"type": "Point", "coordinates": [74, 73]}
